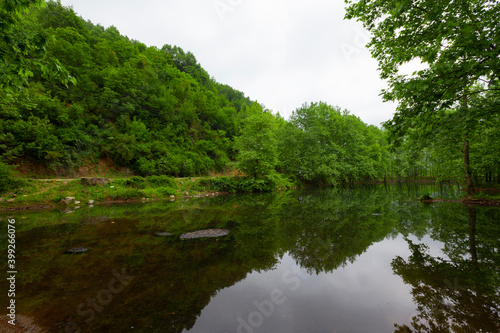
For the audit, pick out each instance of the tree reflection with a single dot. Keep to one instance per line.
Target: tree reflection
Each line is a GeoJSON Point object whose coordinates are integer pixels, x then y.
{"type": "Point", "coordinates": [456, 295]}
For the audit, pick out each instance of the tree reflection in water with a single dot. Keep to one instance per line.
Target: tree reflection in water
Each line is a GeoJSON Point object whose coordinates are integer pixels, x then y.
{"type": "Point", "coordinates": [459, 294]}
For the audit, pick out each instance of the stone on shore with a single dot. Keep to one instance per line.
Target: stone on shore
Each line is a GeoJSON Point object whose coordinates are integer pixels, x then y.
{"type": "Point", "coordinates": [67, 200]}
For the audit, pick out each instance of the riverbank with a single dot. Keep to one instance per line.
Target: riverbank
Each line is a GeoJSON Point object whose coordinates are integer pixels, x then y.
{"type": "Point", "coordinates": [71, 193]}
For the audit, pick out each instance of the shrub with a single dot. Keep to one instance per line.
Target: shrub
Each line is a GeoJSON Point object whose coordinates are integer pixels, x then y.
{"type": "Point", "coordinates": [125, 193]}
{"type": "Point", "coordinates": [7, 180]}
{"type": "Point", "coordinates": [162, 181]}
{"type": "Point", "coordinates": [135, 181]}
{"type": "Point", "coordinates": [247, 184]}
{"type": "Point", "coordinates": [221, 184]}
{"type": "Point", "coordinates": [166, 191]}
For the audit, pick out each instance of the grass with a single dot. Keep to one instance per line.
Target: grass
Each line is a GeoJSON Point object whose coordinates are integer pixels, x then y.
{"type": "Point", "coordinates": [51, 192]}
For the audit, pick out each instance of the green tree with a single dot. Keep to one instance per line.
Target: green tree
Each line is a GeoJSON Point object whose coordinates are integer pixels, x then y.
{"type": "Point", "coordinates": [324, 144]}
{"type": "Point", "coordinates": [257, 144]}
{"type": "Point", "coordinates": [457, 41]}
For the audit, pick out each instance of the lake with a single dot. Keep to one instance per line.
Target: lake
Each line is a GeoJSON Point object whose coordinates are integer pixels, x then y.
{"type": "Point", "coordinates": [362, 259]}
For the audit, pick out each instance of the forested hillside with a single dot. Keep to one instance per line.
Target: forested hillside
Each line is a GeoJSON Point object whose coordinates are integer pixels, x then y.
{"type": "Point", "coordinates": [153, 110]}
{"type": "Point", "coordinates": [74, 92]}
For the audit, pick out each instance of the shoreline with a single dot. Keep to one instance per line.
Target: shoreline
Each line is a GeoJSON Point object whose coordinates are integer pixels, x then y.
{"type": "Point", "coordinates": [52, 192]}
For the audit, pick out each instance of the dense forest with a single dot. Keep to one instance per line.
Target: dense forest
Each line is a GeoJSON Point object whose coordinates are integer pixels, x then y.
{"type": "Point", "coordinates": [74, 92]}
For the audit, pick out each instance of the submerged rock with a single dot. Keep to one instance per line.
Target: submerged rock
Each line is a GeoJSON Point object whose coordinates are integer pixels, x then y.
{"type": "Point", "coordinates": [205, 233]}
{"type": "Point", "coordinates": [77, 250]}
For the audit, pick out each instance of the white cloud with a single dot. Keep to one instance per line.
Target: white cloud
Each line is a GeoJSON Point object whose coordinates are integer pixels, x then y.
{"type": "Point", "coordinates": [280, 53]}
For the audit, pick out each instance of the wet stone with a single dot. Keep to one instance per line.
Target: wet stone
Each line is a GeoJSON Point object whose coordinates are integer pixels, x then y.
{"type": "Point", "coordinates": [163, 234]}
{"type": "Point", "coordinates": [205, 233]}
{"type": "Point", "coordinates": [77, 250]}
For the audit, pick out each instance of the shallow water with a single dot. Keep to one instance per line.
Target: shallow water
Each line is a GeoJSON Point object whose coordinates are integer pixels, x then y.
{"type": "Point", "coordinates": [365, 259]}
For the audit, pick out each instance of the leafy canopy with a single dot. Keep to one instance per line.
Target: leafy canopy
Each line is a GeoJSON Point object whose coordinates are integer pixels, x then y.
{"type": "Point", "coordinates": [458, 41]}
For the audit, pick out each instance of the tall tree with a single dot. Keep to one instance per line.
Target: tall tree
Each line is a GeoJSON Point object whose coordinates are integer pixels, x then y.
{"type": "Point", "coordinates": [257, 144]}
{"type": "Point", "coordinates": [458, 41]}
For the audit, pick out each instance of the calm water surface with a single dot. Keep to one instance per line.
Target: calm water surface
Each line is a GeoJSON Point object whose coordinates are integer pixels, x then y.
{"type": "Point", "coordinates": [366, 259]}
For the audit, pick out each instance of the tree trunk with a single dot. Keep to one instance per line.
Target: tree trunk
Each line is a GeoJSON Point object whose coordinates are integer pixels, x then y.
{"type": "Point", "coordinates": [468, 174]}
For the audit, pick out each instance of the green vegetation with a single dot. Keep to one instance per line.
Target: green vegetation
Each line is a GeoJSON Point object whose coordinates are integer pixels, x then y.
{"type": "Point", "coordinates": [75, 93]}
{"type": "Point", "coordinates": [7, 179]}
{"type": "Point", "coordinates": [451, 106]}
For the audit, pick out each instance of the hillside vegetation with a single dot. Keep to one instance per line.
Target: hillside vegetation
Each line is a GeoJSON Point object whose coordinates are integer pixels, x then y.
{"type": "Point", "coordinates": [74, 92]}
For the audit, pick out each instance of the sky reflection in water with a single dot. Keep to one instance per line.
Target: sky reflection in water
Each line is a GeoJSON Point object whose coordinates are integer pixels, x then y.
{"type": "Point", "coordinates": [304, 261]}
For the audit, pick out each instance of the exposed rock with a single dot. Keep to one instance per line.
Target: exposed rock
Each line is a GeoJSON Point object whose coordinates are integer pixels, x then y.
{"type": "Point", "coordinates": [2, 199]}
{"type": "Point", "coordinates": [172, 196]}
{"type": "Point", "coordinates": [91, 202]}
{"type": "Point", "coordinates": [94, 181]}
{"type": "Point", "coordinates": [77, 202]}
{"type": "Point", "coordinates": [67, 200]}
{"type": "Point", "coordinates": [11, 200]}
{"type": "Point", "coordinates": [205, 233]}
{"type": "Point", "coordinates": [77, 250]}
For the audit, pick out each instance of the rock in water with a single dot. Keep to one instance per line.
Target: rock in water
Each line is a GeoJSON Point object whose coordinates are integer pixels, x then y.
{"type": "Point", "coordinates": [205, 233]}
{"type": "Point", "coordinates": [163, 234]}
{"type": "Point", "coordinates": [76, 250]}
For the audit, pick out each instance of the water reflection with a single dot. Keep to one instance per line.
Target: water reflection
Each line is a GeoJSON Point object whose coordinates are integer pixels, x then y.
{"type": "Point", "coordinates": [460, 293]}
{"type": "Point", "coordinates": [311, 261]}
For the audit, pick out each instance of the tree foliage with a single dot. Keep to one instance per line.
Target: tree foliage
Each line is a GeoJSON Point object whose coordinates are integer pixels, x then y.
{"type": "Point", "coordinates": [156, 110]}
{"type": "Point", "coordinates": [153, 110]}
{"type": "Point", "coordinates": [458, 42]}
{"type": "Point", "coordinates": [323, 144]}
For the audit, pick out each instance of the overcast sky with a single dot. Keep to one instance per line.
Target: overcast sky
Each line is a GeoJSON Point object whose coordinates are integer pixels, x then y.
{"type": "Point", "coordinates": [279, 53]}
